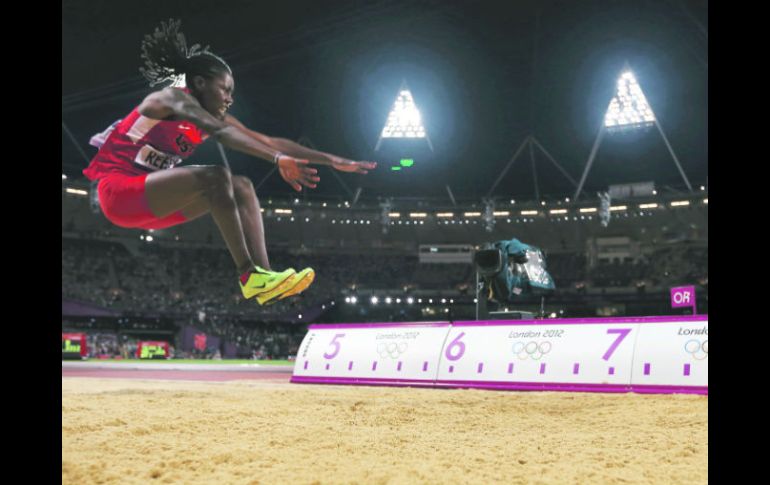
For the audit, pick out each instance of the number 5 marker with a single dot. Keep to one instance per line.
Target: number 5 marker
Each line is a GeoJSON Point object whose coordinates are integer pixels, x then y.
{"type": "Point", "coordinates": [336, 346]}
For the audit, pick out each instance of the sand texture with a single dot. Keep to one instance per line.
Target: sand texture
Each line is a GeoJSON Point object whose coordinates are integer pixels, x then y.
{"type": "Point", "coordinates": [117, 431]}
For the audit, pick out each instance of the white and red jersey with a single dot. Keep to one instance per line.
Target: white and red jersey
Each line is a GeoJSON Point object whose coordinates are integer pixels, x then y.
{"type": "Point", "coordinates": [138, 145]}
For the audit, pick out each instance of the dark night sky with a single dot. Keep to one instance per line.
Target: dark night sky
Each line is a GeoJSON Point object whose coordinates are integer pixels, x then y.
{"type": "Point", "coordinates": [484, 74]}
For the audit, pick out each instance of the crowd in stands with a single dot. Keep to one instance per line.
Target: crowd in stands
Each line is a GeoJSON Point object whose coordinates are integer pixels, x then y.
{"type": "Point", "coordinates": [202, 280]}
{"type": "Point", "coordinates": [200, 286]}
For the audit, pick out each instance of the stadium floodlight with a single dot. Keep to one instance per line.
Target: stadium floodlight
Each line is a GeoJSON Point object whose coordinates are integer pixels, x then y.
{"type": "Point", "coordinates": [353, 300]}
{"type": "Point", "coordinates": [529, 213]}
{"type": "Point", "coordinates": [76, 191]}
{"type": "Point", "coordinates": [558, 211]}
{"type": "Point", "coordinates": [501, 213]}
{"type": "Point", "coordinates": [394, 215]}
{"type": "Point", "coordinates": [410, 300]}
{"type": "Point", "coordinates": [472, 214]}
{"type": "Point", "coordinates": [629, 107]}
{"type": "Point", "coordinates": [445, 214]}
{"type": "Point", "coordinates": [374, 300]}
{"type": "Point", "coordinates": [680, 203]}
{"type": "Point", "coordinates": [705, 201]}
{"type": "Point", "coordinates": [618, 208]}
{"type": "Point", "coordinates": [283, 211]}
{"type": "Point", "coordinates": [418, 215]}
{"type": "Point", "coordinates": [585, 210]}
{"type": "Point", "coordinates": [648, 206]}
{"type": "Point", "coordinates": [404, 120]}
{"type": "Point", "coordinates": [63, 177]}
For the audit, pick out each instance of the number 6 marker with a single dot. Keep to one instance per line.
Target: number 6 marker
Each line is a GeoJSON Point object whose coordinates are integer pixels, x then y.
{"type": "Point", "coordinates": [455, 343]}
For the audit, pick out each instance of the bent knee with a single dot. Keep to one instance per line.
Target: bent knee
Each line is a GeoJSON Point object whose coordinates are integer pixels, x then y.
{"type": "Point", "coordinates": [244, 188]}
{"type": "Point", "coordinates": [242, 184]}
{"type": "Point", "coordinates": [215, 177]}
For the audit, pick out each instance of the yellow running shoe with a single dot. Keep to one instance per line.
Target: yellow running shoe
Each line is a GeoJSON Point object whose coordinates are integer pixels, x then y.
{"type": "Point", "coordinates": [259, 281]}
{"type": "Point", "coordinates": [300, 282]}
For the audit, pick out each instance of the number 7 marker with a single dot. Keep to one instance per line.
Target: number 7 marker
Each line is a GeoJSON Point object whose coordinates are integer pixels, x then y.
{"type": "Point", "coordinates": [623, 333]}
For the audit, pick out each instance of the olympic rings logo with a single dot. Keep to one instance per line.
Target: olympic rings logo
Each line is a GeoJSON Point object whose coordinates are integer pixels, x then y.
{"type": "Point", "coordinates": [391, 349]}
{"type": "Point", "coordinates": [698, 350]}
{"type": "Point", "coordinates": [531, 350]}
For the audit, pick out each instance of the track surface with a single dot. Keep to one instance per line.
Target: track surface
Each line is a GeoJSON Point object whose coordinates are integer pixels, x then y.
{"type": "Point", "coordinates": [188, 372]}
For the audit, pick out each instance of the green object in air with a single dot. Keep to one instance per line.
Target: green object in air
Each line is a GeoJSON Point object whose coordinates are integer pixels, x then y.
{"type": "Point", "coordinates": [407, 162]}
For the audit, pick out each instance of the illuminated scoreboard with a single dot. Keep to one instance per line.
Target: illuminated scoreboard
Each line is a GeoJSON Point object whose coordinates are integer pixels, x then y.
{"type": "Point", "coordinates": [152, 350]}
{"type": "Point", "coordinates": [73, 346]}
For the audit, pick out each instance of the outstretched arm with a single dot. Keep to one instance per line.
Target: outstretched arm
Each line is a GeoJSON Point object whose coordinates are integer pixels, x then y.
{"type": "Point", "coordinates": [296, 150]}
{"type": "Point", "coordinates": [176, 103]}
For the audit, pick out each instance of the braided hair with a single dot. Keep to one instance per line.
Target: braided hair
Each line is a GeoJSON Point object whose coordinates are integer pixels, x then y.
{"type": "Point", "coordinates": [167, 57]}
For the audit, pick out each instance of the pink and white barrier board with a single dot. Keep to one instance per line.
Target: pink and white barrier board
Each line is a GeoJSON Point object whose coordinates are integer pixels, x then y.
{"type": "Point", "coordinates": [643, 354]}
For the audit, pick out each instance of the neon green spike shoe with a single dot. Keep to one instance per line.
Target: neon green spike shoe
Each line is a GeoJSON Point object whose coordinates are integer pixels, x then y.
{"type": "Point", "coordinates": [259, 281]}
{"type": "Point", "coordinates": [299, 283]}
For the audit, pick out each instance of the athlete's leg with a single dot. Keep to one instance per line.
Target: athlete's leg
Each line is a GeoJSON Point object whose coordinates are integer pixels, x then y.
{"type": "Point", "coordinates": [168, 191]}
{"type": "Point", "coordinates": [251, 219]}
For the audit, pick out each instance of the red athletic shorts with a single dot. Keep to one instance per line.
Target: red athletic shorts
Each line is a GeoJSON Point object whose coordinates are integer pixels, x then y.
{"type": "Point", "coordinates": [123, 202]}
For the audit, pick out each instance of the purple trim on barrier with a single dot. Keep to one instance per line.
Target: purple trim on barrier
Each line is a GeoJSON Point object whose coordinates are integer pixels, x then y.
{"type": "Point", "coordinates": [374, 365]}
{"type": "Point", "coordinates": [318, 326]}
{"type": "Point", "coordinates": [481, 368]}
{"type": "Point", "coordinates": [555, 386]}
{"type": "Point", "coordinates": [306, 363]}
{"type": "Point", "coordinates": [670, 389]}
{"type": "Point", "coordinates": [647, 369]}
{"type": "Point", "coordinates": [362, 380]}
{"type": "Point", "coordinates": [576, 368]}
{"type": "Point", "coordinates": [611, 371]}
{"type": "Point", "coordinates": [495, 385]}
{"type": "Point", "coordinates": [350, 365]}
{"type": "Point", "coordinates": [399, 366]}
{"type": "Point", "coordinates": [510, 367]}
{"type": "Point", "coordinates": [542, 368]}
{"type": "Point", "coordinates": [572, 321]}
{"type": "Point", "coordinates": [687, 369]}
{"type": "Point", "coordinates": [425, 366]}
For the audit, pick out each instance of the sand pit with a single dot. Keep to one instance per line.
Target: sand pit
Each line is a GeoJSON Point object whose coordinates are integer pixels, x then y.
{"type": "Point", "coordinates": [256, 432]}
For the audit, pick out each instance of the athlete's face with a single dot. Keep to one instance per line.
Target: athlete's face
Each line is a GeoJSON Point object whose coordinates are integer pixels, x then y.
{"type": "Point", "coordinates": [215, 94]}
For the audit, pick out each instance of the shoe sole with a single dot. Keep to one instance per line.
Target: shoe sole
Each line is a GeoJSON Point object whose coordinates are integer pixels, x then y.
{"type": "Point", "coordinates": [281, 285]}
{"type": "Point", "coordinates": [301, 286]}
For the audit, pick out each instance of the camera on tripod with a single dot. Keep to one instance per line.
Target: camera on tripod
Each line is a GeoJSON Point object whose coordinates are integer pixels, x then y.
{"type": "Point", "coordinates": [509, 272]}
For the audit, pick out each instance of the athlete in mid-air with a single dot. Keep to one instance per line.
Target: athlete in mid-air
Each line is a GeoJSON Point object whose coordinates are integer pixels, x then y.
{"type": "Point", "coordinates": [140, 186]}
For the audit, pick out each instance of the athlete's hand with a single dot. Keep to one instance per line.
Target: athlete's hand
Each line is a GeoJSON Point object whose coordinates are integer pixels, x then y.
{"type": "Point", "coordinates": [345, 165]}
{"type": "Point", "coordinates": [296, 173]}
